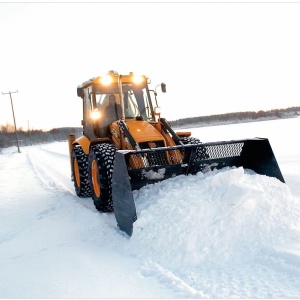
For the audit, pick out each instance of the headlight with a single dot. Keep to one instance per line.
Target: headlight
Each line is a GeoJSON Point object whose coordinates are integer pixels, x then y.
{"type": "Point", "coordinates": [95, 114]}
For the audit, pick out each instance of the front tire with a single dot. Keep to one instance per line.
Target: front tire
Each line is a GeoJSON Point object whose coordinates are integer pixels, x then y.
{"type": "Point", "coordinates": [101, 162]}
{"type": "Point", "coordinates": [79, 166]}
{"type": "Point", "coordinates": [201, 152]}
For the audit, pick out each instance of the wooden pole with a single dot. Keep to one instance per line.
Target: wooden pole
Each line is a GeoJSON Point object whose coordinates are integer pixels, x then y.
{"type": "Point", "coordinates": [12, 107]}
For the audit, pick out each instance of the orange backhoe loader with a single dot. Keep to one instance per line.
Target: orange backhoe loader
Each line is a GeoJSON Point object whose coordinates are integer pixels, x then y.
{"type": "Point", "coordinates": [126, 145]}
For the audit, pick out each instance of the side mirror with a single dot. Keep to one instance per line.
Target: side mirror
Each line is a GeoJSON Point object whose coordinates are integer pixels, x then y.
{"type": "Point", "coordinates": [163, 87]}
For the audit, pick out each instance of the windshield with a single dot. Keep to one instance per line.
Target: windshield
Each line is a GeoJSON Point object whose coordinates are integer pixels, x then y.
{"type": "Point", "coordinates": [136, 101]}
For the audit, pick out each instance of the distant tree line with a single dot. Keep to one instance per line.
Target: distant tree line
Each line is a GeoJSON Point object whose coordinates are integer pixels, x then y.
{"type": "Point", "coordinates": [30, 137]}
{"type": "Point", "coordinates": [239, 117]}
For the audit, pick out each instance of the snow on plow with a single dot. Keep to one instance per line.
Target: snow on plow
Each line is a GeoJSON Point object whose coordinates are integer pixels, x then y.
{"type": "Point", "coordinates": [134, 169]}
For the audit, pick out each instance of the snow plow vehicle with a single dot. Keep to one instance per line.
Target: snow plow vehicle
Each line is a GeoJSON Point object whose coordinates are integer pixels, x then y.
{"type": "Point", "coordinates": [126, 144]}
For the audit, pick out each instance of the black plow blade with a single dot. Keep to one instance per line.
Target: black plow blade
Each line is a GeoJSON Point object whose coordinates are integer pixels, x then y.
{"type": "Point", "coordinates": [134, 169]}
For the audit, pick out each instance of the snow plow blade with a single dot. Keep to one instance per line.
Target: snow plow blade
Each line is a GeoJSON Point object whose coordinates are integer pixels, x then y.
{"type": "Point", "coordinates": [134, 169]}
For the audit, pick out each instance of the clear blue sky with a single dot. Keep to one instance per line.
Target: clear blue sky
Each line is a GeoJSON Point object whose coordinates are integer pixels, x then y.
{"type": "Point", "coordinates": [214, 57]}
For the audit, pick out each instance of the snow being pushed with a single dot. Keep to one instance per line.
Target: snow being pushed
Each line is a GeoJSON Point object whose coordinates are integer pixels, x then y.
{"type": "Point", "coordinates": [218, 217]}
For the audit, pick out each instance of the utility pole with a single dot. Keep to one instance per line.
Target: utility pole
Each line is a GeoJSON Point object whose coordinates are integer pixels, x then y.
{"type": "Point", "coordinates": [12, 107]}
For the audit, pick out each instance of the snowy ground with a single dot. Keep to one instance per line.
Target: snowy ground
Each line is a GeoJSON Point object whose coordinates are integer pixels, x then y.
{"type": "Point", "coordinates": [225, 234]}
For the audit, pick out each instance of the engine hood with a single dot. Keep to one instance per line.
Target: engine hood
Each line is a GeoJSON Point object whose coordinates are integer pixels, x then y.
{"type": "Point", "coordinates": [142, 131]}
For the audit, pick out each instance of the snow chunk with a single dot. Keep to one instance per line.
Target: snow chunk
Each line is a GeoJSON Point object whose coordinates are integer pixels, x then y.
{"type": "Point", "coordinates": [160, 174]}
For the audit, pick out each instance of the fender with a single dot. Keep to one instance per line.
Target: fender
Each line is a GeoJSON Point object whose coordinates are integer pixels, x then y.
{"type": "Point", "coordinates": [84, 143]}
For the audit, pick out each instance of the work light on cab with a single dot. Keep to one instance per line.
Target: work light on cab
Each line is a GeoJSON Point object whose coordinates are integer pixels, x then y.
{"type": "Point", "coordinates": [106, 80]}
{"type": "Point", "coordinates": [137, 79]}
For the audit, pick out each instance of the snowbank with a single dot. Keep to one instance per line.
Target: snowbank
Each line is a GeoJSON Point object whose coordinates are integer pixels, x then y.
{"type": "Point", "coordinates": [215, 218]}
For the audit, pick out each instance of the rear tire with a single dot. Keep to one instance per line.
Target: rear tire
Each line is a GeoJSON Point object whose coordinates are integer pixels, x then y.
{"type": "Point", "coordinates": [80, 176]}
{"type": "Point", "coordinates": [201, 152]}
{"type": "Point", "coordinates": [100, 166]}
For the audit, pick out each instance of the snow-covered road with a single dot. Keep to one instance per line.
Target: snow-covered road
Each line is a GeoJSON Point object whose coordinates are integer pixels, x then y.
{"type": "Point", "coordinates": [225, 234]}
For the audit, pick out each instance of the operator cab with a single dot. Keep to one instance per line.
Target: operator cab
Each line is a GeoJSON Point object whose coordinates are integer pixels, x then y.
{"type": "Point", "coordinates": [105, 102]}
{"type": "Point", "coordinates": [136, 104]}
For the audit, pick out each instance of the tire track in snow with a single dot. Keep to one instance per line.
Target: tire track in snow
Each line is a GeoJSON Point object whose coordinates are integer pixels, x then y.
{"type": "Point", "coordinates": [252, 280]}
{"type": "Point", "coordinates": [54, 171]}
{"type": "Point", "coordinates": [169, 279]}
{"type": "Point", "coordinates": [42, 172]}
